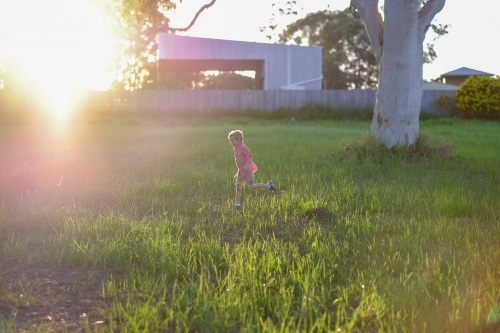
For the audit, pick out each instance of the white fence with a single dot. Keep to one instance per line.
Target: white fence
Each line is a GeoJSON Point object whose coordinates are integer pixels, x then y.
{"type": "Point", "coordinates": [241, 100]}
{"type": "Point", "coordinates": [237, 100]}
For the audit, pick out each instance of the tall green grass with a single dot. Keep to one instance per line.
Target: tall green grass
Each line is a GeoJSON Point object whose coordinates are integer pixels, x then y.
{"type": "Point", "coordinates": [355, 242]}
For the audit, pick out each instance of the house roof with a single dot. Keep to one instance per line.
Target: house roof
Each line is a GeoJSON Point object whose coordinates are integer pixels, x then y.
{"type": "Point", "coordinates": [434, 85]}
{"type": "Point", "coordinates": [464, 71]}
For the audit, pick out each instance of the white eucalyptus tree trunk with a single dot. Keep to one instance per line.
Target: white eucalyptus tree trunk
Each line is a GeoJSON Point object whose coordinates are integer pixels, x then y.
{"type": "Point", "coordinates": [397, 42]}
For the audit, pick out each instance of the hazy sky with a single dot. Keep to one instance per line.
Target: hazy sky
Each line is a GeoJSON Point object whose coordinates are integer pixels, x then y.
{"type": "Point", "coordinates": [471, 42]}
{"type": "Point", "coordinates": [69, 32]}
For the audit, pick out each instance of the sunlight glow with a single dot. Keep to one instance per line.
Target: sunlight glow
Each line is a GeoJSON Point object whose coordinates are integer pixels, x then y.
{"type": "Point", "coordinates": [63, 46]}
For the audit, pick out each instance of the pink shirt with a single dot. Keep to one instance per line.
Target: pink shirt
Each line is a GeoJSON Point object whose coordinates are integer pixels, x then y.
{"type": "Point", "coordinates": [241, 156]}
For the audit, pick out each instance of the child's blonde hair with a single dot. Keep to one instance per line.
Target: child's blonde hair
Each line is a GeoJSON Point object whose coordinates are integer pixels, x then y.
{"type": "Point", "coordinates": [237, 134]}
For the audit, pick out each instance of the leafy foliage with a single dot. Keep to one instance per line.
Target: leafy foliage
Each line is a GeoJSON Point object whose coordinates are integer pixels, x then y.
{"type": "Point", "coordinates": [480, 95]}
{"type": "Point", "coordinates": [183, 80]}
{"type": "Point", "coordinates": [12, 75]}
{"type": "Point", "coordinates": [439, 30]}
{"type": "Point", "coordinates": [227, 81]}
{"type": "Point", "coordinates": [443, 101]}
{"type": "Point", "coordinates": [348, 60]}
{"type": "Point", "coordinates": [135, 24]}
{"type": "Point", "coordinates": [138, 57]}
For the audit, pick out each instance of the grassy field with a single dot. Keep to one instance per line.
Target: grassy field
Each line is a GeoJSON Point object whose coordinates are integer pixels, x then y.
{"type": "Point", "coordinates": [137, 210]}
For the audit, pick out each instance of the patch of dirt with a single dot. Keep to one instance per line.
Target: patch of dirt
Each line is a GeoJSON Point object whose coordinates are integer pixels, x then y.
{"type": "Point", "coordinates": [320, 212]}
{"type": "Point", "coordinates": [66, 298]}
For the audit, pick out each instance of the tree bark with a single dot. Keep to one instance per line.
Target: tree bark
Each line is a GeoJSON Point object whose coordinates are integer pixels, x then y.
{"type": "Point", "coordinates": [397, 108]}
{"type": "Point", "coordinates": [398, 46]}
{"type": "Point", "coordinates": [368, 10]}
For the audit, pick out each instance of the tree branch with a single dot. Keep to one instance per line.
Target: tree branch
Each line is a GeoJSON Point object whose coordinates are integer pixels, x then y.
{"type": "Point", "coordinates": [208, 5]}
{"type": "Point", "coordinates": [166, 28]}
{"type": "Point", "coordinates": [368, 10]}
{"type": "Point", "coordinates": [426, 15]}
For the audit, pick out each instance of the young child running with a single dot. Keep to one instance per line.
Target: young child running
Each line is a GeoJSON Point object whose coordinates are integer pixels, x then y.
{"type": "Point", "coordinates": [246, 168]}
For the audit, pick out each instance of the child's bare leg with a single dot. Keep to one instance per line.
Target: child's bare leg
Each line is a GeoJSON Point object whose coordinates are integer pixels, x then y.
{"type": "Point", "coordinates": [237, 199]}
{"type": "Point", "coordinates": [258, 186]}
{"type": "Point", "coordinates": [270, 186]}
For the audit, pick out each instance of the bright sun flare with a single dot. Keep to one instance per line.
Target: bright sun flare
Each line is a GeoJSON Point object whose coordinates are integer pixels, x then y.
{"type": "Point", "coordinates": [62, 45]}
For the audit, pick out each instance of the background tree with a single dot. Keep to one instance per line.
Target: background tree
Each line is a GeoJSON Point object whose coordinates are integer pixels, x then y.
{"type": "Point", "coordinates": [348, 59]}
{"type": "Point", "coordinates": [136, 23]}
{"type": "Point", "coordinates": [185, 80]}
{"type": "Point", "coordinates": [227, 81]}
{"type": "Point", "coordinates": [11, 77]}
{"type": "Point", "coordinates": [397, 40]}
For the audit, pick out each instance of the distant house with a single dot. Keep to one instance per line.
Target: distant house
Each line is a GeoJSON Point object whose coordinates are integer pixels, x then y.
{"type": "Point", "coordinates": [276, 66]}
{"type": "Point", "coordinates": [458, 76]}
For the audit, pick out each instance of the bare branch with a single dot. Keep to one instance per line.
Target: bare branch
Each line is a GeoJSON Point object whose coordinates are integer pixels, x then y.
{"type": "Point", "coordinates": [208, 5]}
{"type": "Point", "coordinates": [368, 10]}
{"type": "Point", "coordinates": [426, 15]}
{"type": "Point", "coordinates": [166, 28]}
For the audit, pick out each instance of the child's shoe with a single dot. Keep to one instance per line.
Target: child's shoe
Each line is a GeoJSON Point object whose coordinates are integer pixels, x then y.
{"type": "Point", "coordinates": [236, 207]}
{"type": "Point", "coordinates": [272, 187]}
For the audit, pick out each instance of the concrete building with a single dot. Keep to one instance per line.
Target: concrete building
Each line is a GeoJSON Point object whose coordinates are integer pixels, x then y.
{"type": "Point", "coordinates": [276, 66]}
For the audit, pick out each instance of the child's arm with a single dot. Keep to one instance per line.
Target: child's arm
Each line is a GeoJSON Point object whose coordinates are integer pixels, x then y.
{"type": "Point", "coordinates": [247, 162]}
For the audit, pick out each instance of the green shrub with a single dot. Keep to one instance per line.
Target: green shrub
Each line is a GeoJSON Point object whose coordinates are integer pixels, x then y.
{"type": "Point", "coordinates": [480, 95]}
{"type": "Point", "coordinates": [443, 101]}
{"type": "Point", "coordinates": [447, 103]}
